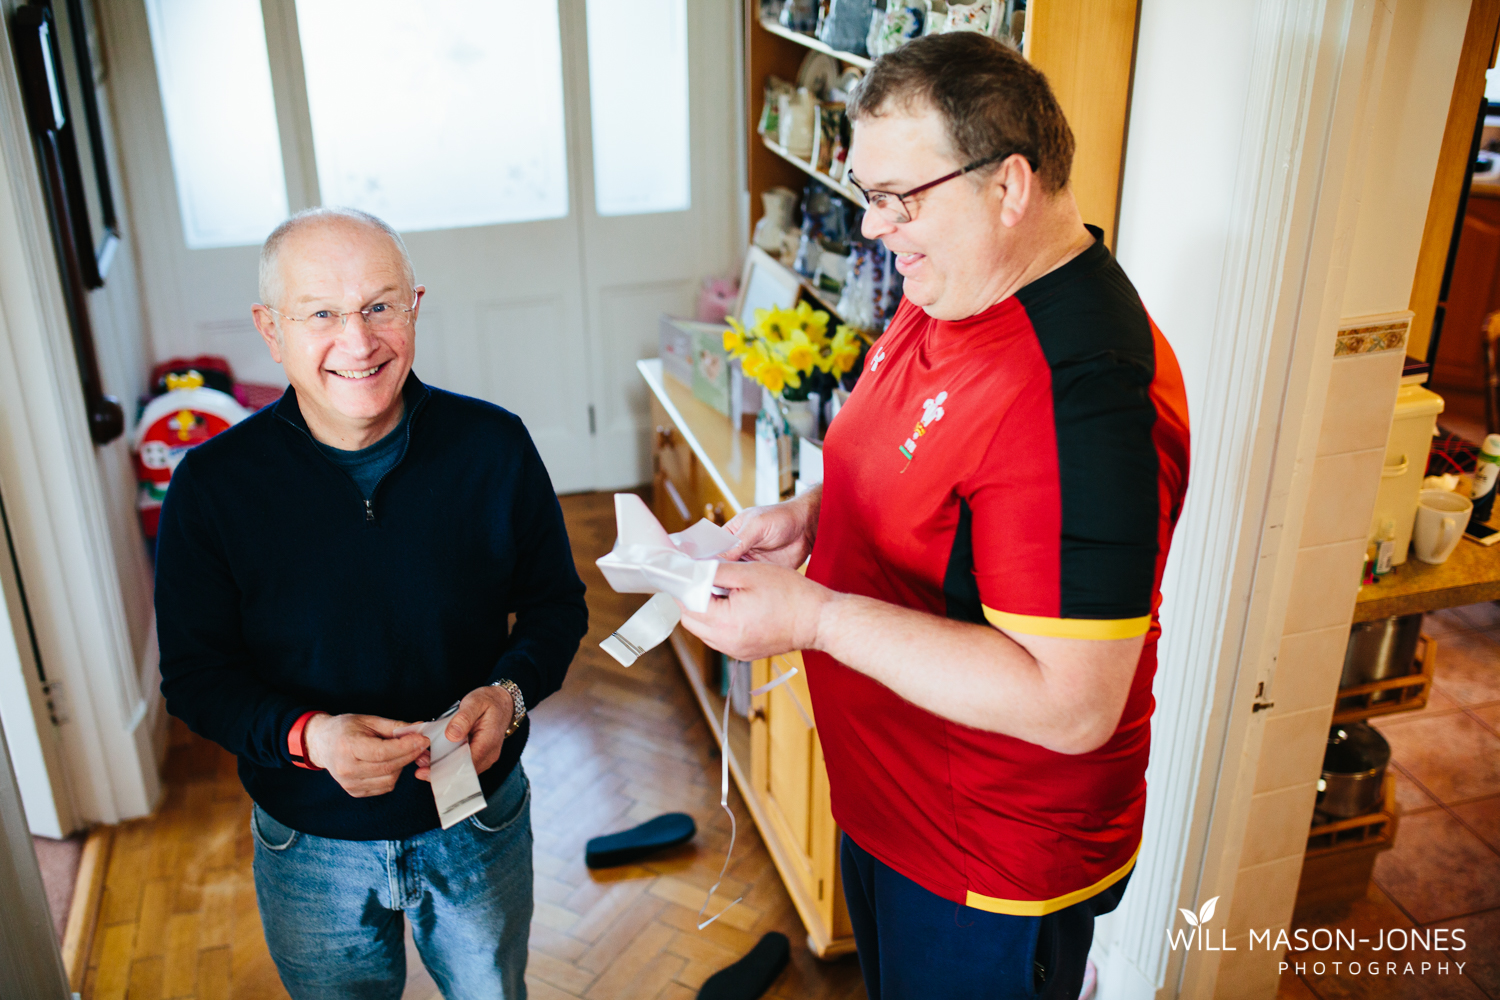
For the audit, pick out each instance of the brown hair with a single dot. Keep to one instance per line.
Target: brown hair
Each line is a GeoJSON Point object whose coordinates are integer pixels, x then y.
{"type": "Point", "coordinates": [990, 97]}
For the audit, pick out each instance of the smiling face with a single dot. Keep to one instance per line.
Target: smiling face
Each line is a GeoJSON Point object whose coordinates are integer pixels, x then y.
{"type": "Point", "coordinates": [349, 380]}
{"type": "Point", "coordinates": [953, 253]}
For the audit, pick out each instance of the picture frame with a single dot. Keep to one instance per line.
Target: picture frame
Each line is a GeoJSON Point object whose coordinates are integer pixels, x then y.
{"type": "Point", "coordinates": [765, 282]}
{"type": "Point", "coordinates": [90, 190]}
{"type": "Point", "coordinates": [44, 77]}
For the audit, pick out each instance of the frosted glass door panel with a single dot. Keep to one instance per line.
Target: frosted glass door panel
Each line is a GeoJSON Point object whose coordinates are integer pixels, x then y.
{"type": "Point", "coordinates": [638, 97]}
{"type": "Point", "coordinates": [221, 120]}
{"type": "Point", "coordinates": [440, 114]}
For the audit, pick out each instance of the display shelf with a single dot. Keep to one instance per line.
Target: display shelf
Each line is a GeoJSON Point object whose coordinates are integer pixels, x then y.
{"type": "Point", "coordinates": [841, 188]}
{"type": "Point", "coordinates": [813, 291]}
{"type": "Point", "coordinates": [1394, 694]}
{"type": "Point", "coordinates": [812, 43]}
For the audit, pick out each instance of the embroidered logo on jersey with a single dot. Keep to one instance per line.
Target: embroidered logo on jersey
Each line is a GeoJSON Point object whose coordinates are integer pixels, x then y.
{"type": "Point", "coordinates": [932, 412]}
{"type": "Point", "coordinates": [876, 358]}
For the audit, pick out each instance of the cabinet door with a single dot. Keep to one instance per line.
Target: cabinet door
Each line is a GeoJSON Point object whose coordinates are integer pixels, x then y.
{"type": "Point", "coordinates": [672, 464]}
{"type": "Point", "coordinates": [783, 754]}
{"type": "Point", "coordinates": [1471, 296]}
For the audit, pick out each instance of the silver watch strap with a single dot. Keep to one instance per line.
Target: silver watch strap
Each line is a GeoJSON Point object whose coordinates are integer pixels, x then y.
{"type": "Point", "coordinates": [517, 698]}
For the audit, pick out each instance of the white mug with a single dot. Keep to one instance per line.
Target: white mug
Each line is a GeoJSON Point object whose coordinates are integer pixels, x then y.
{"type": "Point", "coordinates": [1441, 519]}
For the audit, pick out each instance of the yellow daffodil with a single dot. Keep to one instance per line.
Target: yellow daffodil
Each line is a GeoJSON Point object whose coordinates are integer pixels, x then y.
{"type": "Point", "coordinates": [784, 345]}
{"type": "Point", "coordinates": [734, 337]}
{"type": "Point", "coordinates": [814, 321]}
{"type": "Point", "coordinates": [800, 353]}
{"type": "Point", "coordinates": [844, 349]}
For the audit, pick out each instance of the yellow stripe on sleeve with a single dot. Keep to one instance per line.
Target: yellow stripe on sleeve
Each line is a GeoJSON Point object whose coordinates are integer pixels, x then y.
{"type": "Point", "coordinates": [1042, 907]}
{"type": "Point", "coordinates": [1069, 628]}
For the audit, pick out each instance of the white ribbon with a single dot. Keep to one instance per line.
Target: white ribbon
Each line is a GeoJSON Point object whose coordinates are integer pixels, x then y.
{"type": "Point", "coordinates": [647, 560]}
{"type": "Point", "coordinates": [646, 629]}
{"type": "Point", "coordinates": [782, 679]}
{"type": "Point", "coordinates": [455, 783]}
{"type": "Point", "coordinates": [723, 804]}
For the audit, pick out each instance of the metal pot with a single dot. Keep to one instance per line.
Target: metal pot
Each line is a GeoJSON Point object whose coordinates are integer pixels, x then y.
{"type": "Point", "coordinates": [1380, 649]}
{"type": "Point", "coordinates": [1353, 770]}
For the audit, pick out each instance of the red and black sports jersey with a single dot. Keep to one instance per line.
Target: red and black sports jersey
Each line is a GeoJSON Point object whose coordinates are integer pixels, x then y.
{"type": "Point", "coordinates": [1023, 467]}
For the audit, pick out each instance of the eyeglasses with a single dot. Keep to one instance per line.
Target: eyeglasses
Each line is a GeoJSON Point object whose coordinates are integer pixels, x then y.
{"type": "Point", "coordinates": [380, 317]}
{"type": "Point", "coordinates": [892, 205]}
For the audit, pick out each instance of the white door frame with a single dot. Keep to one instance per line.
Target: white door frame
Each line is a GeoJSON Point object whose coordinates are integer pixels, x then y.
{"type": "Point", "coordinates": [55, 504]}
{"type": "Point", "coordinates": [1299, 142]}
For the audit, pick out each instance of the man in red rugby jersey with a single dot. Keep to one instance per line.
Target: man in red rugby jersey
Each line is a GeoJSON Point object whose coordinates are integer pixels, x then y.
{"type": "Point", "coordinates": [979, 615]}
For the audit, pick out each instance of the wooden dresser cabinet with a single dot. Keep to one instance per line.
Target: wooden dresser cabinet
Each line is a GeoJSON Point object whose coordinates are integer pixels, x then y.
{"type": "Point", "coordinates": [704, 467]}
{"type": "Point", "coordinates": [1473, 294]}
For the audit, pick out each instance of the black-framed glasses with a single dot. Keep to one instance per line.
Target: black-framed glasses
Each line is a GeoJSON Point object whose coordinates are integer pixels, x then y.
{"type": "Point", "coordinates": [379, 317]}
{"type": "Point", "coordinates": [892, 204]}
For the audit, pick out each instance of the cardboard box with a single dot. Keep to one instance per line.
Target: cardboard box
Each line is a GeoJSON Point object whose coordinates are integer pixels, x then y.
{"type": "Point", "coordinates": [676, 349]}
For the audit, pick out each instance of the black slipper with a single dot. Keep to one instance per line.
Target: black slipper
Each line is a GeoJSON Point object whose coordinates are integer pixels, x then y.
{"type": "Point", "coordinates": [667, 830]}
{"type": "Point", "coordinates": [752, 975]}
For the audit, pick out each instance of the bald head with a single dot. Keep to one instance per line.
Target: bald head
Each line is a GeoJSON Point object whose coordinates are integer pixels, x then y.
{"type": "Point", "coordinates": [272, 283]}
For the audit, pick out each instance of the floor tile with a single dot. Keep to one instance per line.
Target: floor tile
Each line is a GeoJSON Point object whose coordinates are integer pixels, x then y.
{"type": "Point", "coordinates": [1438, 703]}
{"type": "Point", "coordinates": [1410, 796]}
{"type": "Point", "coordinates": [1400, 986]}
{"type": "Point", "coordinates": [1489, 715]}
{"type": "Point", "coordinates": [1483, 817]}
{"type": "Point", "coordinates": [1445, 622]}
{"type": "Point", "coordinates": [1367, 918]}
{"type": "Point", "coordinates": [1293, 988]}
{"type": "Point", "coordinates": [1438, 869]}
{"type": "Point", "coordinates": [1485, 615]}
{"type": "Point", "coordinates": [1454, 756]}
{"type": "Point", "coordinates": [1482, 956]}
{"type": "Point", "coordinates": [1468, 667]}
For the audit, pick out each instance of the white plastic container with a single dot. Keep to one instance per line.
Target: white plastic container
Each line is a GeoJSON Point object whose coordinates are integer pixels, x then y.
{"type": "Point", "coordinates": [1406, 451]}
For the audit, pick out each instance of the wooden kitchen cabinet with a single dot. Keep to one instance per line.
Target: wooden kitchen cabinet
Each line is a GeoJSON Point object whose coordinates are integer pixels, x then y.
{"type": "Point", "coordinates": [1473, 293]}
{"type": "Point", "coordinates": [702, 466]}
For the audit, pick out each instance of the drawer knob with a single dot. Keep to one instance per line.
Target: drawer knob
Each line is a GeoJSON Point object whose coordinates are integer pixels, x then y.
{"type": "Point", "coordinates": [664, 436]}
{"type": "Point", "coordinates": [714, 512]}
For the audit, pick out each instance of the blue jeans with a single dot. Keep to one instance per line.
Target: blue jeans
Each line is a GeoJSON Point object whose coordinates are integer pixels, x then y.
{"type": "Point", "coordinates": [915, 944]}
{"type": "Point", "coordinates": [333, 909]}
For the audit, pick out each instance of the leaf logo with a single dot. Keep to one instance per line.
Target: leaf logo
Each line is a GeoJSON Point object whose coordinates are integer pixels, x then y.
{"type": "Point", "coordinates": [1204, 914]}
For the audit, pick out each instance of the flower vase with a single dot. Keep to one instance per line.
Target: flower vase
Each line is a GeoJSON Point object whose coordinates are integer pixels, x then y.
{"type": "Point", "coordinates": [800, 416]}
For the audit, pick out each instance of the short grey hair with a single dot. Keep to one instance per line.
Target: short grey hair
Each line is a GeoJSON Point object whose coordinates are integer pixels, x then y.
{"type": "Point", "coordinates": [270, 251]}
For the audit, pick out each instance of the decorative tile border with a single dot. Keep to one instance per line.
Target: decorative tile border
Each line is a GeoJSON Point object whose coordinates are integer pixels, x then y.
{"type": "Point", "coordinates": [1372, 337]}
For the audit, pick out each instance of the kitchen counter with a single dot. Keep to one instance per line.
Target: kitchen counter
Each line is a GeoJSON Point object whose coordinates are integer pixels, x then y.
{"type": "Point", "coordinates": [1471, 575]}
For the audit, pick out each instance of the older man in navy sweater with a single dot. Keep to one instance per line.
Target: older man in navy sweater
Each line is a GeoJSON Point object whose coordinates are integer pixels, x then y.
{"type": "Point", "coordinates": [340, 563]}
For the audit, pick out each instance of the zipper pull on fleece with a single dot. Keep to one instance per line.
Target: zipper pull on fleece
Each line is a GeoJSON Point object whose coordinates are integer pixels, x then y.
{"type": "Point", "coordinates": [369, 512]}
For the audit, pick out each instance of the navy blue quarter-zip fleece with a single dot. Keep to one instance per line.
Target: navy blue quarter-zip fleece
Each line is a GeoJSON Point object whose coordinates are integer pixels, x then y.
{"type": "Point", "coordinates": [281, 590]}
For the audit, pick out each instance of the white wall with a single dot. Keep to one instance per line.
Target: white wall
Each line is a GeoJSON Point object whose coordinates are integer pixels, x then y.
{"type": "Point", "coordinates": [1426, 36]}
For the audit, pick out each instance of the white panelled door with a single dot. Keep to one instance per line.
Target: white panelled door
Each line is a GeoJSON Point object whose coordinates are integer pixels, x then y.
{"type": "Point", "coordinates": [563, 172]}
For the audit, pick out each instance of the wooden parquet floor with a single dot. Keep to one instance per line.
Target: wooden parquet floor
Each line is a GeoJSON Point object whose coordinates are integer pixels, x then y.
{"type": "Point", "coordinates": [178, 918]}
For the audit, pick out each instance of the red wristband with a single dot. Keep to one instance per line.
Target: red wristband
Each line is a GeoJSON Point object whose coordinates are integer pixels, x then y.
{"type": "Point", "coordinates": [296, 747]}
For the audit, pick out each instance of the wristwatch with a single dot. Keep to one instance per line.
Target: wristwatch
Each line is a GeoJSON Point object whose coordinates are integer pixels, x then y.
{"type": "Point", "coordinates": [516, 697]}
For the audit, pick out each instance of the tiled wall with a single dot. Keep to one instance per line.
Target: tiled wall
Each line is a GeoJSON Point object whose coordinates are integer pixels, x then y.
{"type": "Point", "coordinates": [1345, 477]}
